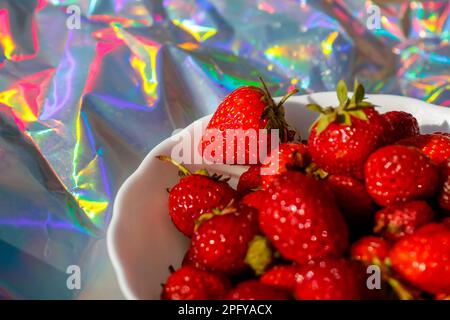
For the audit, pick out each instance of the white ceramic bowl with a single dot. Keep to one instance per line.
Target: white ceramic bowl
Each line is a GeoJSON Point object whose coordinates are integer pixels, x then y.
{"type": "Point", "coordinates": [142, 241]}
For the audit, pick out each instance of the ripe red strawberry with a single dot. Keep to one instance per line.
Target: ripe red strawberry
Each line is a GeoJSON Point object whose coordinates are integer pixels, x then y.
{"type": "Point", "coordinates": [189, 283]}
{"type": "Point", "coordinates": [423, 258]}
{"type": "Point", "coordinates": [446, 222]}
{"type": "Point", "coordinates": [221, 243]}
{"type": "Point", "coordinates": [301, 219]}
{"type": "Point", "coordinates": [196, 194]}
{"type": "Point", "coordinates": [444, 195]}
{"type": "Point", "coordinates": [288, 156]}
{"type": "Point", "coordinates": [445, 134]}
{"type": "Point", "coordinates": [331, 279]}
{"type": "Point", "coordinates": [369, 250]}
{"type": "Point", "coordinates": [352, 198]}
{"type": "Point", "coordinates": [246, 108]}
{"type": "Point", "coordinates": [343, 138]}
{"type": "Point", "coordinates": [254, 199]}
{"type": "Point", "coordinates": [396, 174]}
{"type": "Point", "coordinates": [435, 146]}
{"type": "Point", "coordinates": [255, 290]}
{"type": "Point", "coordinates": [188, 260]}
{"type": "Point", "coordinates": [249, 180]}
{"type": "Point", "coordinates": [281, 276]}
{"type": "Point", "coordinates": [400, 219]}
{"type": "Point", "coordinates": [400, 125]}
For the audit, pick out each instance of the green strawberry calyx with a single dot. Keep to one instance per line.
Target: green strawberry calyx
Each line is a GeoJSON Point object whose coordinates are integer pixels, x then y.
{"type": "Point", "coordinates": [275, 114]}
{"type": "Point", "coordinates": [259, 254]}
{"type": "Point", "coordinates": [184, 172]}
{"type": "Point", "coordinates": [347, 108]}
{"type": "Point", "coordinates": [229, 208]}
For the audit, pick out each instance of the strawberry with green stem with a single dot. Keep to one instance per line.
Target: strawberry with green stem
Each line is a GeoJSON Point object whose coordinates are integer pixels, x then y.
{"type": "Point", "coordinates": [342, 138]}
{"type": "Point", "coordinates": [228, 241]}
{"type": "Point", "coordinates": [246, 108]}
{"type": "Point", "coordinates": [195, 194]}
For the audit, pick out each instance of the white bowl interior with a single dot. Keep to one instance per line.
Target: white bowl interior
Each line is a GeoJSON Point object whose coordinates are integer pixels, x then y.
{"type": "Point", "coordinates": [142, 241]}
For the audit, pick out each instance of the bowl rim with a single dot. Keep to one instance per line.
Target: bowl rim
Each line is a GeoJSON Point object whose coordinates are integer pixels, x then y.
{"type": "Point", "coordinates": [111, 239]}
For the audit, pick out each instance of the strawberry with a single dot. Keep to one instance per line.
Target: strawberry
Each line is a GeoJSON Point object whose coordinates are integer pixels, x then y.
{"type": "Point", "coordinates": [189, 283]}
{"type": "Point", "coordinates": [247, 108]}
{"type": "Point", "coordinates": [188, 259]}
{"type": "Point", "coordinates": [342, 138]}
{"type": "Point", "coordinates": [195, 194]}
{"type": "Point", "coordinates": [423, 258]}
{"type": "Point", "coordinates": [353, 200]}
{"type": "Point", "coordinates": [446, 222]}
{"type": "Point", "coordinates": [301, 219]}
{"type": "Point", "coordinates": [369, 250]}
{"type": "Point", "coordinates": [444, 194]}
{"type": "Point", "coordinates": [400, 219]}
{"type": "Point", "coordinates": [331, 279]}
{"type": "Point", "coordinates": [255, 290]}
{"type": "Point", "coordinates": [281, 276]}
{"type": "Point", "coordinates": [445, 134]}
{"type": "Point", "coordinates": [254, 199]}
{"type": "Point", "coordinates": [288, 156]}
{"type": "Point", "coordinates": [400, 125]}
{"type": "Point", "coordinates": [220, 243]}
{"type": "Point", "coordinates": [436, 146]}
{"type": "Point", "coordinates": [396, 174]}
{"type": "Point", "coordinates": [249, 180]}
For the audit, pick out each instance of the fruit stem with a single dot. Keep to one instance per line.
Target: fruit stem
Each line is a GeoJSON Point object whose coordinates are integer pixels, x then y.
{"type": "Point", "coordinates": [379, 226]}
{"type": "Point", "coordinates": [287, 96]}
{"type": "Point", "coordinates": [401, 292]}
{"type": "Point", "coordinates": [180, 167]}
{"type": "Point", "coordinates": [266, 90]}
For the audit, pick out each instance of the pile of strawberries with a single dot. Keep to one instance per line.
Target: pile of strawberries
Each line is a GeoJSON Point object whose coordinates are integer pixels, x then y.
{"type": "Point", "coordinates": [366, 189]}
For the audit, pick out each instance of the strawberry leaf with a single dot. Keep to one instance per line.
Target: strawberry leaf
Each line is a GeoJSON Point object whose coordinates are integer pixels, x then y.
{"type": "Point", "coordinates": [344, 118]}
{"type": "Point", "coordinates": [355, 84]}
{"type": "Point", "coordinates": [364, 104]}
{"type": "Point", "coordinates": [325, 121]}
{"type": "Point", "coordinates": [315, 107]}
{"type": "Point", "coordinates": [360, 114]}
{"type": "Point", "coordinates": [342, 92]}
{"type": "Point", "coordinates": [359, 93]}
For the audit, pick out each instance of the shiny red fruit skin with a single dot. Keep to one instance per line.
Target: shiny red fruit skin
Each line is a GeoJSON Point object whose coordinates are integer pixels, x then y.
{"type": "Point", "coordinates": [254, 199]}
{"type": "Point", "coordinates": [288, 156]}
{"type": "Point", "coordinates": [423, 258]}
{"type": "Point", "coordinates": [400, 125]}
{"type": "Point", "coordinates": [396, 221]}
{"type": "Point", "coordinates": [194, 195]}
{"type": "Point", "coordinates": [301, 219]}
{"type": "Point", "coordinates": [189, 283]}
{"type": "Point", "coordinates": [255, 290]}
{"type": "Point", "coordinates": [396, 174]}
{"type": "Point", "coordinates": [444, 194]}
{"type": "Point", "coordinates": [221, 243]}
{"type": "Point", "coordinates": [281, 276]}
{"type": "Point", "coordinates": [241, 109]}
{"type": "Point", "coordinates": [369, 249]}
{"type": "Point", "coordinates": [435, 146]}
{"type": "Point", "coordinates": [249, 180]}
{"type": "Point", "coordinates": [331, 279]}
{"type": "Point", "coordinates": [352, 198]}
{"type": "Point", "coordinates": [341, 149]}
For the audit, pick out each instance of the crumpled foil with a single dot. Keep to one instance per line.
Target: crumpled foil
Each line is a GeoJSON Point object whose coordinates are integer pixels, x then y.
{"type": "Point", "coordinates": [81, 107]}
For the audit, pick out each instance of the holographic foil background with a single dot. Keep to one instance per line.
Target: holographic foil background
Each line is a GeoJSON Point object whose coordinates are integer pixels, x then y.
{"type": "Point", "coordinates": [80, 108]}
